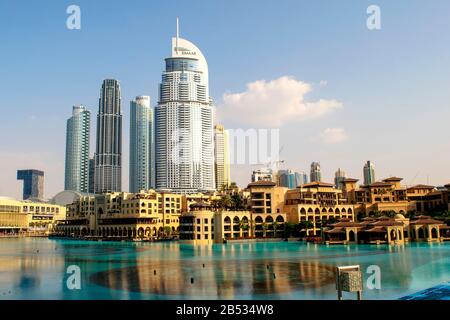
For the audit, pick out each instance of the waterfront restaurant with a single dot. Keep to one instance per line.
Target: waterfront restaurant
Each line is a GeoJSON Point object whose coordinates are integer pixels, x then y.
{"type": "Point", "coordinates": [424, 228]}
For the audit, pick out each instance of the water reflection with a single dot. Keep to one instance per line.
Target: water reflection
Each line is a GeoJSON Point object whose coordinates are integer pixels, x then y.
{"type": "Point", "coordinates": [219, 279]}
{"type": "Point", "coordinates": [36, 269]}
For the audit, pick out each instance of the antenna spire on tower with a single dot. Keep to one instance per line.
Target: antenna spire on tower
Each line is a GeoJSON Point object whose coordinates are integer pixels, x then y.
{"type": "Point", "coordinates": [178, 33]}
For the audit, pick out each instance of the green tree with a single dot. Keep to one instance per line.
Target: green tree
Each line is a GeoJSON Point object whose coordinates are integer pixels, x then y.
{"type": "Point", "coordinates": [243, 225]}
{"type": "Point", "coordinates": [167, 232]}
{"type": "Point", "coordinates": [264, 228]}
{"type": "Point", "coordinates": [225, 202]}
{"type": "Point", "coordinates": [237, 202]}
{"type": "Point", "coordinates": [274, 227]}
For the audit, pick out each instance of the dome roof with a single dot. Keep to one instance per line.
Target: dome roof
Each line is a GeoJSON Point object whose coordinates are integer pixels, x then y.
{"type": "Point", "coordinates": [399, 216]}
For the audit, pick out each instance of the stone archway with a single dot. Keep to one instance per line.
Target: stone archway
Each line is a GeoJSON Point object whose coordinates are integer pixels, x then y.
{"type": "Point", "coordinates": [141, 232]}
{"type": "Point", "coordinates": [351, 236]}
{"type": "Point", "coordinates": [434, 233]}
{"type": "Point", "coordinates": [420, 233]}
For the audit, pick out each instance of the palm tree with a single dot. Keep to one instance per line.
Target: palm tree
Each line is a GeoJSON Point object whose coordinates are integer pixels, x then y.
{"type": "Point", "coordinates": [237, 202]}
{"type": "Point", "coordinates": [252, 227]}
{"type": "Point", "coordinates": [167, 231]}
{"type": "Point", "coordinates": [264, 229]}
{"type": "Point", "coordinates": [225, 202]}
{"type": "Point", "coordinates": [243, 226]}
{"type": "Point", "coordinates": [274, 227]}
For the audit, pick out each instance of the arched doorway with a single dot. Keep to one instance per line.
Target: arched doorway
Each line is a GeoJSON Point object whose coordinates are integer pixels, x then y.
{"type": "Point", "coordinates": [421, 234]}
{"type": "Point", "coordinates": [434, 234]}
{"type": "Point", "coordinates": [351, 236]}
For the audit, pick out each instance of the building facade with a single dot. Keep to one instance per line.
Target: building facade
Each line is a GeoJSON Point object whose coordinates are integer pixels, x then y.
{"type": "Point", "coordinates": [339, 178]}
{"type": "Point", "coordinates": [301, 178]}
{"type": "Point", "coordinates": [221, 157]}
{"type": "Point", "coordinates": [108, 155]}
{"type": "Point", "coordinates": [91, 183]}
{"type": "Point", "coordinates": [288, 179]}
{"type": "Point", "coordinates": [28, 217]}
{"type": "Point", "coordinates": [122, 215]}
{"type": "Point", "coordinates": [142, 169]}
{"type": "Point", "coordinates": [262, 175]}
{"type": "Point", "coordinates": [369, 173]}
{"type": "Point", "coordinates": [316, 173]}
{"type": "Point", "coordinates": [184, 136]}
{"type": "Point", "coordinates": [33, 183]}
{"type": "Point", "coordinates": [77, 150]}
{"type": "Point", "coordinates": [316, 203]}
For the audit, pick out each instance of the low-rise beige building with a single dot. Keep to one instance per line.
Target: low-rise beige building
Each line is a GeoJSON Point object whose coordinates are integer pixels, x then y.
{"type": "Point", "coordinates": [317, 202]}
{"type": "Point", "coordinates": [121, 215]}
{"type": "Point", "coordinates": [28, 217]}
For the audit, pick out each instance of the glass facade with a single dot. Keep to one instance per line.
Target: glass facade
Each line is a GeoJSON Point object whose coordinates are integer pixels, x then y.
{"type": "Point", "coordinates": [184, 136]}
{"type": "Point", "coordinates": [77, 150]}
{"type": "Point", "coordinates": [33, 183]}
{"type": "Point", "coordinates": [108, 155]}
{"type": "Point", "coordinates": [142, 173]}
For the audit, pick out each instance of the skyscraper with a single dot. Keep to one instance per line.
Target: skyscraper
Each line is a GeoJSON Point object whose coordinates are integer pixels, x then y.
{"type": "Point", "coordinates": [316, 174]}
{"type": "Point", "coordinates": [91, 185]}
{"type": "Point", "coordinates": [339, 178]}
{"type": "Point", "coordinates": [369, 173]}
{"type": "Point", "coordinates": [287, 178]}
{"type": "Point", "coordinates": [33, 183]}
{"type": "Point", "coordinates": [108, 155]}
{"type": "Point", "coordinates": [77, 150]}
{"type": "Point", "coordinates": [141, 145]}
{"type": "Point", "coordinates": [221, 156]}
{"type": "Point", "coordinates": [184, 137]}
{"type": "Point", "coordinates": [301, 178]}
{"type": "Point", "coordinates": [265, 174]}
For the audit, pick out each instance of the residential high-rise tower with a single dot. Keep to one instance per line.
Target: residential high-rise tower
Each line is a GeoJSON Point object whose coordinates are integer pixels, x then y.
{"type": "Point", "coordinates": [77, 150]}
{"type": "Point", "coordinates": [316, 174]}
{"type": "Point", "coordinates": [108, 155]}
{"type": "Point", "coordinates": [339, 178]}
{"type": "Point", "coordinates": [221, 156]}
{"type": "Point", "coordinates": [141, 145]}
{"type": "Point", "coordinates": [369, 173]}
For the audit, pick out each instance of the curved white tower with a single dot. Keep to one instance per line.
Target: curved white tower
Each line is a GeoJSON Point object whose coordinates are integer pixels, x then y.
{"type": "Point", "coordinates": [184, 135]}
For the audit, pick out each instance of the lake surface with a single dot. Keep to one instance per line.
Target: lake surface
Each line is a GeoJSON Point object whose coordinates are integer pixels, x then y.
{"type": "Point", "coordinates": [37, 269]}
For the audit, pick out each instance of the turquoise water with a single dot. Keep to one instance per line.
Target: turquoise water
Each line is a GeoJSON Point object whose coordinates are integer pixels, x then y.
{"type": "Point", "coordinates": [36, 269]}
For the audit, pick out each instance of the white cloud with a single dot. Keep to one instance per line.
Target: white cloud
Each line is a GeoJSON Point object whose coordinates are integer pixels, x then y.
{"type": "Point", "coordinates": [332, 136]}
{"type": "Point", "coordinates": [273, 103]}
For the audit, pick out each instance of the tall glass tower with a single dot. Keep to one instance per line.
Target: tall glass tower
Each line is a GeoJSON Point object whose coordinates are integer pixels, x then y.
{"type": "Point", "coordinates": [369, 173]}
{"type": "Point", "coordinates": [141, 145]}
{"type": "Point", "coordinates": [108, 155]}
{"type": "Point", "coordinates": [221, 156]}
{"type": "Point", "coordinates": [339, 178]}
{"type": "Point", "coordinates": [316, 173]}
{"type": "Point", "coordinates": [77, 150]}
{"type": "Point", "coordinates": [184, 136]}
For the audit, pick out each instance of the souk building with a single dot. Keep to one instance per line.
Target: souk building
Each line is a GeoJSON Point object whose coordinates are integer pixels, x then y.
{"type": "Point", "coordinates": [389, 195]}
{"type": "Point", "coordinates": [385, 230]}
{"type": "Point", "coordinates": [121, 215]}
{"type": "Point", "coordinates": [204, 225]}
{"type": "Point", "coordinates": [266, 204]}
{"type": "Point", "coordinates": [317, 202]}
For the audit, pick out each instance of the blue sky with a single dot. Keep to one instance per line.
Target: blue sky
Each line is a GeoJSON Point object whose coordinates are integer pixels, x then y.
{"type": "Point", "coordinates": [393, 84]}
